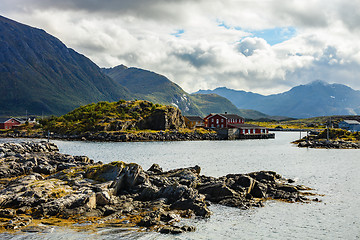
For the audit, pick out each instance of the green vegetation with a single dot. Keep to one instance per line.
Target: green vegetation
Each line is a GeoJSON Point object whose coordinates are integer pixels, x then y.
{"type": "Point", "coordinates": [153, 87]}
{"type": "Point", "coordinates": [307, 123]}
{"type": "Point", "coordinates": [339, 134]}
{"type": "Point", "coordinates": [156, 88]}
{"type": "Point", "coordinates": [102, 116]}
{"type": "Point", "coordinates": [54, 80]}
{"type": "Point", "coordinates": [286, 124]}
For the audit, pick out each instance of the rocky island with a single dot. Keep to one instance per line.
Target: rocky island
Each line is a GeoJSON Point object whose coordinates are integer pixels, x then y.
{"type": "Point", "coordinates": [332, 138]}
{"type": "Point", "coordinates": [122, 121]}
{"type": "Point", "coordinates": [40, 188]}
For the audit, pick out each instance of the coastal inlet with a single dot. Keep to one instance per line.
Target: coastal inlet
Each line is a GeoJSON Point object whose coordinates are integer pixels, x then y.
{"type": "Point", "coordinates": [41, 187]}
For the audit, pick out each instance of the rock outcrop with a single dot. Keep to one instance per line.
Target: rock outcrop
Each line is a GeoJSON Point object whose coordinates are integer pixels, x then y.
{"type": "Point", "coordinates": [162, 119]}
{"type": "Point", "coordinates": [38, 184]}
{"type": "Point", "coordinates": [339, 144]}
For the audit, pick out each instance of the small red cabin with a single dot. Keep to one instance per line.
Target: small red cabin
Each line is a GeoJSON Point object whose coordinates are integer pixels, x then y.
{"type": "Point", "coordinates": [218, 120]}
{"type": "Point", "coordinates": [9, 123]}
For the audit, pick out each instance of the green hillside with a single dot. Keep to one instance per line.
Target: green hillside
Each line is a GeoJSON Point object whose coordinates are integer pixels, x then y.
{"type": "Point", "coordinates": [157, 88]}
{"type": "Point", "coordinates": [40, 75]}
{"type": "Point", "coordinates": [116, 116]}
{"type": "Point", "coordinates": [150, 86]}
{"type": "Point", "coordinates": [213, 103]}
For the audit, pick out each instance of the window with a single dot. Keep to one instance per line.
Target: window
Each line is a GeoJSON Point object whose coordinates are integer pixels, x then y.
{"type": "Point", "coordinates": [217, 121]}
{"type": "Point", "coordinates": [222, 120]}
{"type": "Point", "coordinates": [212, 125]}
{"type": "Point", "coordinates": [222, 125]}
{"type": "Point", "coordinates": [212, 120]}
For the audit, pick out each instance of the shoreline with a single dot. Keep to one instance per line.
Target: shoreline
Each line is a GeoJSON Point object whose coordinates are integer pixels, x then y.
{"type": "Point", "coordinates": [136, 137]}
{"type": "Point", "coordinates": [40, 185]}
{"type": "Point", "coordinates": [326, 144]}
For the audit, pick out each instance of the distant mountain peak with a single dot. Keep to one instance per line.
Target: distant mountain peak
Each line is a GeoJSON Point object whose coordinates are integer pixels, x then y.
{"type": "Point", "coordinates": [317, 98]}
{"type": "Point", "coordinates": [318, 82]}
{"type": "Point", "coordinates": [121, 66]}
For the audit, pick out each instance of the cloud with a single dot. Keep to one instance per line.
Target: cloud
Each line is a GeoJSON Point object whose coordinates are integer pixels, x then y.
{"type": "Point", "coordinates": [207, 44]}
{"type": "Point", "coordinates": [249, 45]}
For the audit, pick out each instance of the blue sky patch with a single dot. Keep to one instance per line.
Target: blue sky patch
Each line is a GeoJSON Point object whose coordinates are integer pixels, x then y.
{"type": "Point", "coordinates": [272, 35]}
{"type": "Point", "coordinates": [178, 33]}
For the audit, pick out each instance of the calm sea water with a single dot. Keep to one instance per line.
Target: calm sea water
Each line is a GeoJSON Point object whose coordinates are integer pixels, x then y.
{"type": "Point", "coordinates": [332, 172]}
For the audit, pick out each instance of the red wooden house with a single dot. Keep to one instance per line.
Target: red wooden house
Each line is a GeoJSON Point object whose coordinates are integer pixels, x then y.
{"type": "Point", "coordinates": [219, 120]}
{"type": "Point", "coordinates": [8, 123]}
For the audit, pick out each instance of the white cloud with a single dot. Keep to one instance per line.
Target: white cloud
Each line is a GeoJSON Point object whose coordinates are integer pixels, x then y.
{"type": "Point", "coordinates": [206, 55]}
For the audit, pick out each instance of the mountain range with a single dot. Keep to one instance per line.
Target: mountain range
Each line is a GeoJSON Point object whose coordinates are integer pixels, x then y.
{"type": "Point", "coordinates": [317, 98]}
{"type": "Point", "coordinates": [40, 75]}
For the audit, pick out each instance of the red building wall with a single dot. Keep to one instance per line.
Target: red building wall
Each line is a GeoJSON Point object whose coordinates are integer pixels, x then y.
{"type": "Point", "coordinates": [9, 124]}
{"type": "Point", "coordinates": [216, 121]}
{"type": "Point", "coordinates": [236, 121]}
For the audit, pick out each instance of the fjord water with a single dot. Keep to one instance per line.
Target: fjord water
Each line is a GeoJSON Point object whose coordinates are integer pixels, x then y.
{"type": "Point", "coordinates": [333, 173]}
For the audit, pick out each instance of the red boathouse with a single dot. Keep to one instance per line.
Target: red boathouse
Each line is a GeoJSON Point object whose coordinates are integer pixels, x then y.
{"type": "Point", "coordinates": [218, 120]}
{"type": "Point", "coordinates": [9, 123]}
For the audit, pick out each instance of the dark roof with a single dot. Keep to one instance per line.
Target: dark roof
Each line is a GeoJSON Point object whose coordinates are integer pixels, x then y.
{"type": "Point", "coordinates": [194, 118]}
{"type": "Point", "coordinates": [3, 120]}
{"type": "Point", "coordinates": [227, 116]}
{"type": "Point", "coordinates": [232, 116]}
{"type": "Point", "coordinates": [244, 125]}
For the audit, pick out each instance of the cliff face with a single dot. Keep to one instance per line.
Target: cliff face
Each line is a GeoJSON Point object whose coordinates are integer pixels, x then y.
{"type": "Point", "coordinates": [162, 119]}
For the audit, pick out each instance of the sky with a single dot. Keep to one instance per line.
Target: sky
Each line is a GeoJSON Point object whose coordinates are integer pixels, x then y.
{"type": "Point", "coordinates": [263, 46]}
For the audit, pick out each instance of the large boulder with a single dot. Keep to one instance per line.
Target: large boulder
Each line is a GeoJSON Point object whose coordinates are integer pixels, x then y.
{"type": "Point", "coordinates": [131, 178]}
{"type": "Point", "coordinates": [216, 191]}
{"type": "Point", "coordinates": [162, 119]}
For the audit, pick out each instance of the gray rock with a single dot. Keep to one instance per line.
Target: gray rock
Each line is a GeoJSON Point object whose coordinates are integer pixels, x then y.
{"type": "Point", "coordinates": [103, 198]}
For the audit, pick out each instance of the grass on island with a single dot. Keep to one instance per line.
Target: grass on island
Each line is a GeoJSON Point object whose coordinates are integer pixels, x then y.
{"type": "Point", "coordinates": [334, 135]}
{"type": "Point", "coordinates": [287, 125]}
{"type": "Point", "coordinates": [101, 116]}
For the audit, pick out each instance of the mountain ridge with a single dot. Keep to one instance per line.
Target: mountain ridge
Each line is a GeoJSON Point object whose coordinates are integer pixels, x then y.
{"type": "Point", "coordinates": [39, 74]}
{"type": "Point", "coordinates": [316, 98]}
{"type": "Point", "coordinates": [151, 86]}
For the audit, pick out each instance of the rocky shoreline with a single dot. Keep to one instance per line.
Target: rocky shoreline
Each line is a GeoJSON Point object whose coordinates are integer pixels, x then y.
{"type": "Point", "coordinates": [335, 144]}
{"type": "Point", "coordinates": [120, 136]}
{"type": "Point", "coordinates": [41, 188]}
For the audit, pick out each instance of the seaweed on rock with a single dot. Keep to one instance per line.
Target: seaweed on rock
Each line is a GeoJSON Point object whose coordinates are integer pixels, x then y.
{"type": "Point", "coordinates": [38, 184]}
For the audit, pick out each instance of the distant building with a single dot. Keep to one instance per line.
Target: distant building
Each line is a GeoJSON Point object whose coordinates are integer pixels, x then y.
{"type": "Point", "coordinates": [233, 121]}
{"type": "Point", "coordinates": [9, 123]}
{"type": "Point", "coordinates": [350, 125]}
{"type": "Point", "coordinates": [194, 121]}
{"type": "Point", "coordinates": [219, 120]}
{"type": "Point", "coordinates": [249, 128]}
{"type": "Point", "coordinates": [30, 120]}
